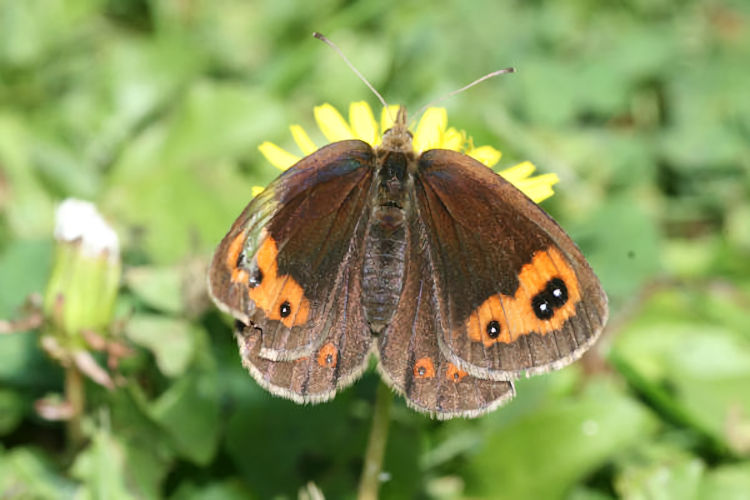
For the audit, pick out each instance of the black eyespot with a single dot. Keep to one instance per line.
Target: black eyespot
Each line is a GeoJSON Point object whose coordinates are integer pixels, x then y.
{"type": "Point", "coordinates": [541, 306]}
{"type": "Point", "coordinates": [285, 309]}
{"type": "Point", "coordinates": [557, 292]}
{"type": "Point", "coordinates": [256, 278]}
{"type": "Point", "coordinates": [456, 376]}
{"type": "Point", "coordinates": [493, 329]}
{"type": "Point", "coordinates": [329, 359]}
{"type": "Point", "coordinates": [421, 370]}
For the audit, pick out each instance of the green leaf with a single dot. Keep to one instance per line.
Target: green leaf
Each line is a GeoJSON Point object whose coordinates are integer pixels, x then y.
{"type": "Point", "coordinates": [625, 253]}
{"type": "Point", "coordinates": [146, 468]}
{"type": "Point", "coordinates": [30, 30]}
{"type": "Point", "coordinates": [545, 453]}
{"type": "Point", "coordinates": [230, 489]}
{"type": "Point", "coordinates": [691, 363]}
{"type": "Point", "coordinates": [26, 472]}
{"type": "Point", "coordinates": [188, 413]}
{"type": "Point", "coordinates": [186, 166]}
{"type": "Point", "coordinates": [12, 409]}
{"type": "Point", "coordinates": [172, 341]}
{"type": "Point", "coordinates": [663, 469]}
{"type": "Point", "coordinates": [24, 269]}
{"type": "Point", "coordinates": [26, 265]}
{"type": "Point", "coordinates": [728, 482]}
{"type": "Point", "coordinates": [101, 468]}
{"type": "Point", "coordinates": [31, 213]}
{"type": "Point", "coordinates": [159, 287]}
{"type": "Point", "coordinates": [149, 456]}
{"type": "Point", "coordinates": [277, 446]}
{"type": "Point", "coordinates": [674, 476]}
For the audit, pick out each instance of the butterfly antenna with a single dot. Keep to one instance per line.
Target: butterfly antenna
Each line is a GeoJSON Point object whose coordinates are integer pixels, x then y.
{"type": "Point", "coordinates": [325, 40]}
{"type": "Point", "coordinates": [465, 87]}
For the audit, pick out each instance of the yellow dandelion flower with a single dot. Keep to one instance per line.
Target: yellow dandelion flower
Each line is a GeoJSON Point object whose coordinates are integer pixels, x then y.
{"type": "Point", "coordinates": [431, 132]}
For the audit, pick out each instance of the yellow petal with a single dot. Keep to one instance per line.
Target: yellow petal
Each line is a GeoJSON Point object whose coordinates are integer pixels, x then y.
{"type": "Point", "coordinates": [257, 190]}
{"type": "Point", "coordinates": [518, 172]}
{"type": "Point", "coordinates": [387, 117]}
{"type": "Point", "coordinates": [430, 129]}
{"type": "Point", "coordinates": [485, 154]}
{"type": "Point", "coordinates": [538, 188]}
{"type": "Point", "coordinates": [279, 158]}
{"type": "Point", "coordinates": [363, 122]}
{"type": "Point", "coordinates": [305, 144]}
{"type": "Point", "coordinates": [332, 124]}
{"type": "Point", "coordinates": [453, 139]}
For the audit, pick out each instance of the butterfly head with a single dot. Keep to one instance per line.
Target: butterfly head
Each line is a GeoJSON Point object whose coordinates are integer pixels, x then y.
{"type": "Point", "coordinates": [398, 138]}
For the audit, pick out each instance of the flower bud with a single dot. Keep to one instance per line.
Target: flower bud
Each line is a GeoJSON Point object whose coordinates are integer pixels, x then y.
{"type": "Point", "coordinates": [85, 275]}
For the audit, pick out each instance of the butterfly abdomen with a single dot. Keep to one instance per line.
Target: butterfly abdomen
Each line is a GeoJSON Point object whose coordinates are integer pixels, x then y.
{"type": "Point", "coordinates": [384, 264]}
{"type": "Point", "coordinates": [385, 242]}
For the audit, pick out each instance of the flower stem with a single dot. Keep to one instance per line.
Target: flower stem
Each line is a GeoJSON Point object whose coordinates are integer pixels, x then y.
{"type": "Point", "coordinates": [76, 396]}
{"type": "Point", "coordinates": [370, 480]}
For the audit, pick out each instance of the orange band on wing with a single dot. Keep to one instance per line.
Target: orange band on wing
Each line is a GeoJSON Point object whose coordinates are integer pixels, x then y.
{"type": "Point", "coordinates": [239, 275]}
{"type": "Point", "coordinates": [533, 308]}
{"type": "Point", "coordinates": [279, 297]}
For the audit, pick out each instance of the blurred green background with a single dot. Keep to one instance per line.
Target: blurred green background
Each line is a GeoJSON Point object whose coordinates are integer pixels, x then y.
{"type": "Point", "coordinates": [154, 110]}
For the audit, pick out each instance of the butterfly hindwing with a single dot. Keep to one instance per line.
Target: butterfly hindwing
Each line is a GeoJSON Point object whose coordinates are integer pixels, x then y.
{"type": "Point", "coordinates": [514, 293]}
{"type": "Point", "coordinates": [280, 269]}
{"type": "Point", "coordinates": [337, 362]}
{"type": "Point", "coordinates": [410, 359]}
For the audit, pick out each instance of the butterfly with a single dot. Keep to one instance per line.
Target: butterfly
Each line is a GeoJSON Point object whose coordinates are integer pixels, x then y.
{"type": "Point", "coordinates": [433, 263]}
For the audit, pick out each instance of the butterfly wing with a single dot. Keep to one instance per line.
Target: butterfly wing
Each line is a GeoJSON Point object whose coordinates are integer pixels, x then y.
{"type": "Point", "coordinates": [283, 267]}
{"type": "Point", "coordinates": [338, 362]}
{"type": "Point", "coordinates": [410, 359]}
{"type": "Point", "coordinates": [514, 293]}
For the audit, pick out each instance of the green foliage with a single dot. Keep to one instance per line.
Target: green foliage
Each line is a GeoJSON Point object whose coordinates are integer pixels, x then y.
{"type": "Point", "coordinates": [154, 110]}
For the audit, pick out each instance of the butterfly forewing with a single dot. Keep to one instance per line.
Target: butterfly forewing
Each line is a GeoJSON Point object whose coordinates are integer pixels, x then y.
{"type": "Point", "coordinates": [514, 292]}
{"type": "Point", "coordinates": [281, 267]}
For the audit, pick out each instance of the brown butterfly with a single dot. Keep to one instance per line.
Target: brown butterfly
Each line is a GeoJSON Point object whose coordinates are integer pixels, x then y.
{"type": "Point", "coordinates": [435, 264]}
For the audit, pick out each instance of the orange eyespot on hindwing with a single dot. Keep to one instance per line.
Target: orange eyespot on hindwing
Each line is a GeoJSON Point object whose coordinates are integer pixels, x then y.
{"type": "Point", "coordinates": [454, 373]}
{"type": "Point", "coordinates": [279, 297]}
{"type": "Point", "coordinates": [424, 368]}
{"type": "Point", "coordinates": [328, 355]}
{"type": "Point", "coordinates": [546, 297]}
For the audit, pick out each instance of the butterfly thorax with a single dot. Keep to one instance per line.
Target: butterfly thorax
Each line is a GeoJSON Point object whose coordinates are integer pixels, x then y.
{"type": "Point", "coordinates": [397, 138]}
{"type": "Point", "coordinates": [386, 236]}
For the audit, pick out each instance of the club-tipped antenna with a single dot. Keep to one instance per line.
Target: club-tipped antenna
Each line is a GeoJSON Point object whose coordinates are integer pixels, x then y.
{"type": "Point", "coordinates": [465, 87]}
{"type": "Point", "coordinates": [325, 40]}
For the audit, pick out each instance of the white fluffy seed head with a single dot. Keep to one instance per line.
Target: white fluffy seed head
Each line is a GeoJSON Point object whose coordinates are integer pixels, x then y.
{"type": "Point", "coordinates": [78, 220]}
